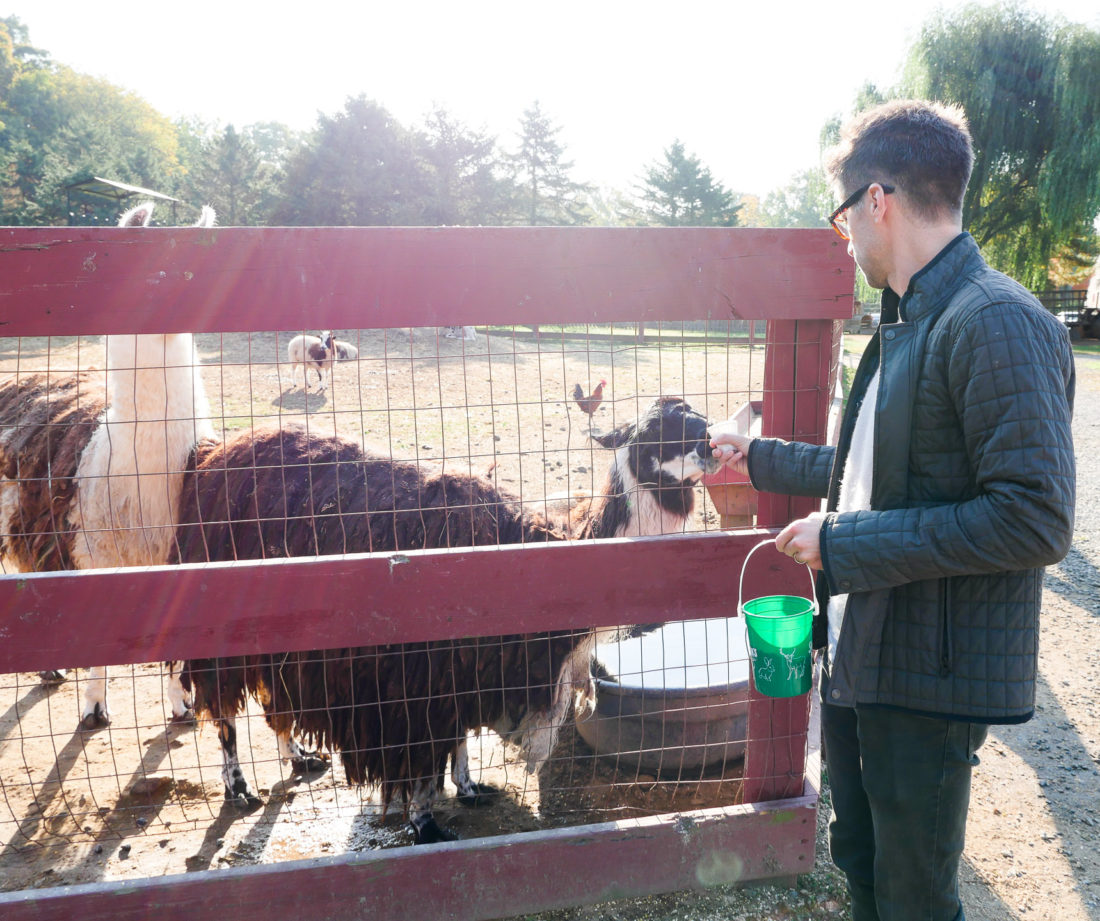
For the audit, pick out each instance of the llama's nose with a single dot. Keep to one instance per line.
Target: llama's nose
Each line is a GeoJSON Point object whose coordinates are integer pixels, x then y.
{"type": "Point", "coordinates": [711, 464]}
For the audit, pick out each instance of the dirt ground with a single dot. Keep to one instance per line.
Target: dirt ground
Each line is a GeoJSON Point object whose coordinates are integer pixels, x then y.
{"type": "Point", "coordinates": [143, 797]}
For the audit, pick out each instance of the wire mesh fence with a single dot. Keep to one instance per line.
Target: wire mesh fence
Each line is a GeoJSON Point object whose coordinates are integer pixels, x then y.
{"type": "Point", "coordinates": [320, 542]}
{"type": "Point", "coordinates": [217, 447]}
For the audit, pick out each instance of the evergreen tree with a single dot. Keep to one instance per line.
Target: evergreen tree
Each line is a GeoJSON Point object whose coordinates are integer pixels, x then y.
{"type": "Point", "coordinates": [465, 181]}
{"type": "Point", "coordinates": [546, 193]}
{"type": "Point", "coordinates": [358, 168]}
{"type": "Point", "coordinates": [232, 177]}
{"type": "Point", "coordinates": [680, 192]}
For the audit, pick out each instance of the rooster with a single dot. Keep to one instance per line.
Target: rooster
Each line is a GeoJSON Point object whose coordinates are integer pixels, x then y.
{"type": "Point", "coordinates": [591, 403]}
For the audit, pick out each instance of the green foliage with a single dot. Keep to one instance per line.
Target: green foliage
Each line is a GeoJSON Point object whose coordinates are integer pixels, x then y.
{"type": "Point", "coordinates": [610, 207]}
{"type": "Point", "coordinates": [464, 178]}
{"type": "Point", "coordinates": [1030, 86]}
{"type": "Point", "coordinates": [681, 192]}
{"type": "Point", "coordinates": [545, 192]}
{"type": "Point", "coordinates": [233, 178]}
{"type": "Point", "coordinates": [61, 126]}
{"type": "Point", "coordinates": [804, 202]}
{"type": "Point", "coordinates": [358, 168]}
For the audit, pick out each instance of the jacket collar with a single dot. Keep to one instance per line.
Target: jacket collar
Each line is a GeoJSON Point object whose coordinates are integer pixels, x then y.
{"type": "Point", "coordinates": [930, 288]}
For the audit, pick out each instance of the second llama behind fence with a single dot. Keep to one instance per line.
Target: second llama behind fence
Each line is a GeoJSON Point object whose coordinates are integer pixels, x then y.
{"type": "Point", "coordinates": [397, 714]}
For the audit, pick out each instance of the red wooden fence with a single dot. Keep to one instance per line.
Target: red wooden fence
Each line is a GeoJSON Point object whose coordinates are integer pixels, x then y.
{"type": "Point", "coordinates": [69, 281]}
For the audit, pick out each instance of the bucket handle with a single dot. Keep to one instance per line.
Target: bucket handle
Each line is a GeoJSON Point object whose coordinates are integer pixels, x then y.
{"type": "Point", "coordinates": [741, 583]}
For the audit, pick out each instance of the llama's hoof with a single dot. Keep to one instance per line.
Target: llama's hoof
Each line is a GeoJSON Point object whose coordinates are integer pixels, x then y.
{"type": "Point", "coordinates": [480, 795]}
{"type": "Point", "coordinates": [98, 718]}
{"type": "Point", "coordinates": [431, 833]}
{"type": "Point", "coordinates": [51, 678]}
{"type": "Point", "coordinates": [309, 763]}
{"type": "Point", "coordinates": [245, 800]}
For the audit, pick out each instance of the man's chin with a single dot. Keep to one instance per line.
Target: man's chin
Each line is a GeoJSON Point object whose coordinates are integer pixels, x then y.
{"type": "Point", "coordinates": [874, 282]}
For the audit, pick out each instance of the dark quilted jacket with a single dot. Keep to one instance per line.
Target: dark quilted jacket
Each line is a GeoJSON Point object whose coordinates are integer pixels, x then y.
{"type": "Point", "coordinates": [973, 495]}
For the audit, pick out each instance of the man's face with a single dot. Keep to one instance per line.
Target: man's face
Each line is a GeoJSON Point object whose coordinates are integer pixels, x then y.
{"type": "Point", "coordinates": [866, 243]}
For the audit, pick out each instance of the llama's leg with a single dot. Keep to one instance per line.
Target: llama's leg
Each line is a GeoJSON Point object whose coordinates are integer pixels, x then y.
{"type": "Point", "coordinates": [290, 751]}
{"type": "Point", "coordinates": [237, 790]}
{"type": "Point", "coordinates": [95, 715]}
{"type": "Point", "coordinates": [53, 677]}
{"type": "Point", "coordinates": [182, 706]}
{"type": "Point", "coordinates": [301, 760]}
{"type": "Point", "coordinates": [424, 826]}
{"type": "Point", "coordinates": [470, 793]}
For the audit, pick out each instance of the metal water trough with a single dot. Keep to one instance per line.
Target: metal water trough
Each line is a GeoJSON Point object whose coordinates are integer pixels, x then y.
{"type": "Point", "coordinates": [673, 701]}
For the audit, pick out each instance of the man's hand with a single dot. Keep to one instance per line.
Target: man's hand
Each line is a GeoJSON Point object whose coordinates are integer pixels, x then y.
{"type": "Point", "coordinates": [732, 449]}
{"type": "Point", "coordinates": [801, 540]}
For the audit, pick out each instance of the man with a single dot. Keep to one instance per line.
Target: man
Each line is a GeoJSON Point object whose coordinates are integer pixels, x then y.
{"type": "Point", "coordinates": [950, 488]}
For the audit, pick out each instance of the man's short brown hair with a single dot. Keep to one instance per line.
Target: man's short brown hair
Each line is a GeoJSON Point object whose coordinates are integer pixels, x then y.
{"type": "Point", "coordinates": [921, 148]}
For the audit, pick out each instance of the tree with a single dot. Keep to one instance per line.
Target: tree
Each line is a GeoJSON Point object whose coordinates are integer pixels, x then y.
{"type": "Point", "coordinates": [546, 193]}
{"type": "Point", "coordinates": [465, 181]}
{"type": "Point", "coordinates": [611, 207]}
{"type": "Point", "coordinates": [61, 126]}
{"type": "Point", "coordinates": [358, 168]}
{"type": "Point", "coordinates": [804, 202]}
{"type": "Point", "coordinates": [1030, 86]}
{"type": "Point", "coordinates": [680, 192]}
{"type": "Point", "coordinates": [232, 177]}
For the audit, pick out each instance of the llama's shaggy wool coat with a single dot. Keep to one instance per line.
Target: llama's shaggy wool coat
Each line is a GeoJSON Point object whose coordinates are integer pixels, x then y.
{"type": "Point", "coordinates": [397, 712]}
{"type": "Point", "coordinates": [46, 423]}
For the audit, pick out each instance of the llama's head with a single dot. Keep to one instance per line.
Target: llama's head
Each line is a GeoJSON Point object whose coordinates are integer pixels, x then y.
{"type": "Point", "coordinates": [667, 446]}
{"type": "Point", "coordinates": [658, 460]}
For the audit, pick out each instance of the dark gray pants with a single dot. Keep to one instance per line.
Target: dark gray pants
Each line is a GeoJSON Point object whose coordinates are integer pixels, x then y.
{"type": "Point", "coordinates": [900, 786]}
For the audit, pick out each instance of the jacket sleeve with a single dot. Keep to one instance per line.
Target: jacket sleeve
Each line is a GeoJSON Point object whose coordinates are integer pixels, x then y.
{"type": "Point", "coordinates": [1010, 377]}
{"type": "Point", "coordinates": [790, 468]}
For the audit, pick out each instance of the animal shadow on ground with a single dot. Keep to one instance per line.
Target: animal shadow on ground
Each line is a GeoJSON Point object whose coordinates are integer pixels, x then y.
{"type": "Point", "coordinates": [297, 400]}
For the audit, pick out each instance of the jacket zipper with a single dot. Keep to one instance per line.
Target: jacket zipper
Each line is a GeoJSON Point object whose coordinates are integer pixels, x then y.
{"type": "Point", "coordinates": [945, 630]}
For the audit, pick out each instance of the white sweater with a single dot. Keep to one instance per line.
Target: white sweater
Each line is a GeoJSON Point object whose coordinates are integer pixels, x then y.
{"type": "Point", "coordinates": [855, 490]}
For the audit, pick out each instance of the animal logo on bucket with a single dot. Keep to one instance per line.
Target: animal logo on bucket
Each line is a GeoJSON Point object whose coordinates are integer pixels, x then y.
{"type": "Point", "coordinates": [763, 668]}
{"type": "Point", "coordinates": [796, 665]}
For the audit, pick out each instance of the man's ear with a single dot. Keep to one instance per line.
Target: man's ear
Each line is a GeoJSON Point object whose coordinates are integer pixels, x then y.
{"type": "Point", "coordinates": [879, 201]}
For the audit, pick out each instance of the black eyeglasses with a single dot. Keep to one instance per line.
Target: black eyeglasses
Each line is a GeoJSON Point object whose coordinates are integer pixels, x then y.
{"type": "Point", "coordinates": [839, 220]}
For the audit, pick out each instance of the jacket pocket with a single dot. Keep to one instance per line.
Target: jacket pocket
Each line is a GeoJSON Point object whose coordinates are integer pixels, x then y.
{"type": "Point", "coordinates": [946, 645]}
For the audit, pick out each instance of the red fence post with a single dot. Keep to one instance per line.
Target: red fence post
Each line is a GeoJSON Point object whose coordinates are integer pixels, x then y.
{"type": "Point", "coordinates": [800, 370]}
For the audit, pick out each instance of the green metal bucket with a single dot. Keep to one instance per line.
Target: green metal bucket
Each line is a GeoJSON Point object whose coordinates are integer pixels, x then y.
{"type": "Point", "coordinates": [778, 631]}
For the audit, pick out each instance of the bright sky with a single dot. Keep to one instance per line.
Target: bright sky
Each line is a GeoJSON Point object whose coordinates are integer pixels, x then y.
{"type": "Point", "coordinates": [746, 86]}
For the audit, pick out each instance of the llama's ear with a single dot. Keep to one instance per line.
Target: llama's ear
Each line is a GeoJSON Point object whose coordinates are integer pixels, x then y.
{"type": "Point", "coordinates": [616, 438]}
